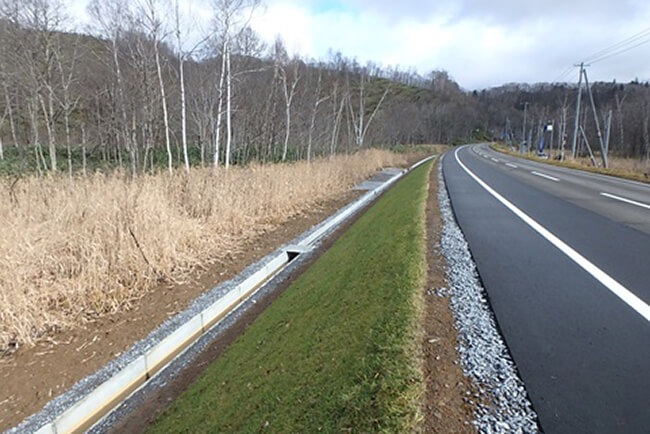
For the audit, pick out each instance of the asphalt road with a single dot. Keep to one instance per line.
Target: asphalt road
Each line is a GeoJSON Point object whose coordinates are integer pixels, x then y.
{"type": "Point", "coordinates": [564, 256]}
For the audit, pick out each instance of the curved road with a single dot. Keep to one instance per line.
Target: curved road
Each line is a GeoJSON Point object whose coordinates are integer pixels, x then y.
{"type": "Point", "coordinates": [564, 256]}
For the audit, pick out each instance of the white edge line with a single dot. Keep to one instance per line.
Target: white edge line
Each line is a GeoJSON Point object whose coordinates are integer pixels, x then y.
{"type": "Point", "coordinates": [622, 199]}
{"type": "Point", "coordinates": [543, 175]}
{"type": "Point", "coordinates": [616, 288]}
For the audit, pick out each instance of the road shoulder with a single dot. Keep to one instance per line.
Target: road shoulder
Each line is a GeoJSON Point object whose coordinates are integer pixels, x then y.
{"type": "Point", "coordinates": [445, 408]}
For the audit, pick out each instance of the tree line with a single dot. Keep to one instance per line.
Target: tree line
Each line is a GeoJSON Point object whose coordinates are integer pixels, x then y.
{"type": "Point", "coordinates": [142, 90]}
{"type": "Point", "coordinates": [622, 114]}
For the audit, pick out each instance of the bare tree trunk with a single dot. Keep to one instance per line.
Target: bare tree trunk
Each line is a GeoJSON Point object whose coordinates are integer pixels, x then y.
{"type": "Point", "coordinates": [164, 108]}
{"type": "Point", "coordinates": [51, 140]}
{"type": "Point", "coordinates": [184, 119]}
{"type": "Point", "coordinates": [336, 126]}
{"type": "Point", "coordinates": [38, 162]}
{"type": "Point", "coordinates": [646, 131]}
{"type": "Point", "coordinates": [32, 108]}
{"type": "Point", "coordinates": [361, 128]}
{"type": "Point", "coordinates": [374, 113]}
{"type": "Point", "coordinates": [228, 107]}
{"type": "Point", "coordinates": [217, 133]}
{"type": "Point", "coordinates": [362, 111]}
{"type": "Point", "coordinates": [181, 56]}
{"type": "Point", "coordinates": [2, 122]}
{"type": "Point", "coordinates": [357, 123]}
{"type": "Point", "coordinates": [314, 111]}
{"type": "Point", "coordinates": [66, 118]}
{"type": "Point", "coordinates": [619, 121]}
{"type": "Point", "coordinates": [83, 149]}
{"type": "Point", "coordinates": [12, 123]}
{"type": "Point", "coordinates": [125, 134]}
{"type": "Point", "coordinates": [289, 94]}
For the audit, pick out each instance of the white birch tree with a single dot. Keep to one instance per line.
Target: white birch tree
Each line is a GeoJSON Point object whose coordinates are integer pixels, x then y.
{"type": "Point", "coordinates": [154, 25]}
{"type": "Point", "coordinates": [230, 17]}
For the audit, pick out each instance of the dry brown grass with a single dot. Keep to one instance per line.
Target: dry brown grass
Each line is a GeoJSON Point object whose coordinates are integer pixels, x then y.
{"type": "Point", "coordinates": [75, 248]}
{"type": "Point", "coordinates": [624, 165]}
{"type": "Point", "coordinates": [629, 168]}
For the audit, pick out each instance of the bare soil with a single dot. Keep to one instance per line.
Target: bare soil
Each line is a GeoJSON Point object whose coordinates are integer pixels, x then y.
{"type": "Point", "coordinates": [31, 377]}
{"type": "Point", "coordinates": [445, 409]}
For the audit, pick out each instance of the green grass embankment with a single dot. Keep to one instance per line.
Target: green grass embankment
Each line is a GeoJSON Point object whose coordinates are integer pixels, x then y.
{"type": "Point", "coordinates": [339, 349]}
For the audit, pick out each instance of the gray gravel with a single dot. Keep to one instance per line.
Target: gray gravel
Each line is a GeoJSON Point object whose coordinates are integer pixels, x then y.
{"type": "Point", "coordinates": [501, 404]}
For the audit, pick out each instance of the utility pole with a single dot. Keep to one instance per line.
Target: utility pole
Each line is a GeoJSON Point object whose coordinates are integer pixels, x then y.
{"type": "Point", "coordinates": [523, 128]}
{"type": "Point", "coordinates": [578, 102]}
{"type": "Point", "coordinates": [551, 127]}
{"type": "Point", "coordinates": [608, 130]}
{"type": "Point", "coordinates": [601, 143]}
{"type": "Point", "coordinates": [563, 133]}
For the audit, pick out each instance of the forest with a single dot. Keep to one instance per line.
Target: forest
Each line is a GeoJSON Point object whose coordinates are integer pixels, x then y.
{"type": "Point", "coordinates": [139, 89]}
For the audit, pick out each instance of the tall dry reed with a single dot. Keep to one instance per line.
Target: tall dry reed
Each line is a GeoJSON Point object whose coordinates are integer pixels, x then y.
{"type": "Point", "coordinates": [630, 165]}
{"type": "Point", "coordinates": [74, 248]}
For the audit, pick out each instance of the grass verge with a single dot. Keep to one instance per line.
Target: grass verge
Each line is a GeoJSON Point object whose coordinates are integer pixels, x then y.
{"type": "Point", "coordinates": [584, 164]}
{"type": "Point", "coordinates": [339, 349]}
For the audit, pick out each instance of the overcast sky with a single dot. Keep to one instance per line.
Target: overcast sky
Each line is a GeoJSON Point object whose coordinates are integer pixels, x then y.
{"type": "Point", "coordinates": [481, 43]}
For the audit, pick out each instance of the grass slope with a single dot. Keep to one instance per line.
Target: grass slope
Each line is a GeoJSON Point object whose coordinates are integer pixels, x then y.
{"type": "Point", "coordinates": [338, 350]}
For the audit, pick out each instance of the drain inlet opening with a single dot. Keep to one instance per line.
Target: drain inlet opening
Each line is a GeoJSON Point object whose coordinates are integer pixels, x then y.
{"type": "Point", "coordinates": [292, 254]}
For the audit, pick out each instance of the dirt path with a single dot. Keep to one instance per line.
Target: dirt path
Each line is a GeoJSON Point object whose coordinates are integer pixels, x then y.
{"type": "Point", "coordinates": [445, 410]}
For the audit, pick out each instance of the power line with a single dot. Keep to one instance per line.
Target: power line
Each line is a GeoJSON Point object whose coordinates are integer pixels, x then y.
{"type": "Point", "coordinates": [616, 53]}
{"type": "Point", "coordinates": [621, 45]}
{"type": "Point", "coordinates": [563, 75]}
{"type": "Point", "coordinates": [627, 44]}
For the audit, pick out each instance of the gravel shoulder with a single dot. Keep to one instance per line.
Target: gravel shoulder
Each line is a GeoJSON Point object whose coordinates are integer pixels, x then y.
{"type": "Point", "coordinates": [500, 399]}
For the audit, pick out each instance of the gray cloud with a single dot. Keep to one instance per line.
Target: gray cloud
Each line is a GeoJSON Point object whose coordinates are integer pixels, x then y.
{"type": "Point", "coordinates": [481, 43]}
{"type": "Point", "coordinates": [505, 11]}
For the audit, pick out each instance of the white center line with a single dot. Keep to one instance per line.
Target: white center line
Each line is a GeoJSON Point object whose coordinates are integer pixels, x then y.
{"type": "Point", "coordinates": [543, 175]}
{"type": "Point", "coordinates": [630, 201]}
{"type": "Point", "coordinates": [511, 165]}
{"type": "Point", "coordinates": [495, 160]}
{"type": "Point", "coordinates": [619, 290]}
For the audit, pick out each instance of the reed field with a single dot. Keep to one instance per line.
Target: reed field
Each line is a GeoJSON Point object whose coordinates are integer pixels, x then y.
{"type": "Point", "coordinates": [74, 248]}
{"type": "Point", "coordinates": [632, 166]}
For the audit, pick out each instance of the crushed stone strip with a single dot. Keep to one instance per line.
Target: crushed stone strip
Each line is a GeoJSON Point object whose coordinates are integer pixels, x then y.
{"type": "Point", "coordinates": [502, 404]}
